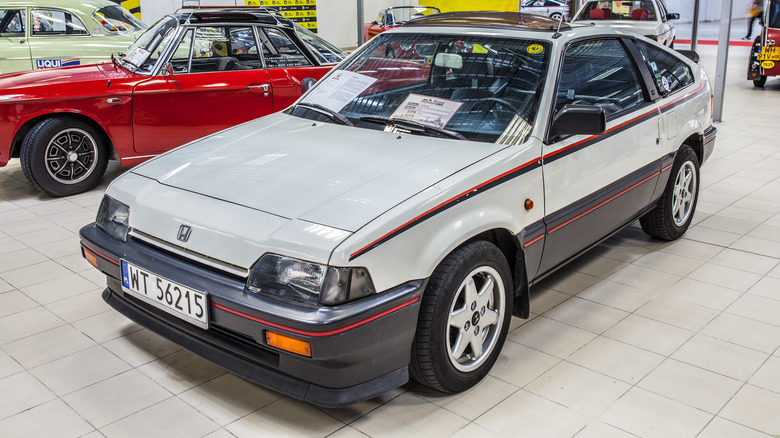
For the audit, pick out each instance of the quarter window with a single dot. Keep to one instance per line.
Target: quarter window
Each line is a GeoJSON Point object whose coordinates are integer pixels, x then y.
{"type": "Point", "coordinates": [54, 22]}
{"type": "Point", "coordinates": [280, 51]}
{"type": "Point", "coordinates": [599, 73]}
{"type": "Point", "coordinates": [669, 72]}
{"type": "Point", "coordinates": [11, 22]}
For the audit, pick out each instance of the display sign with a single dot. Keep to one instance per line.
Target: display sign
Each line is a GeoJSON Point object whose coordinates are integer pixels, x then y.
{"type": "Point", "coordinates": [427, 110]}
{"type": "Point", "coordinates": [303, 12]}
{"type": "Point", "coordinates": [339, 89]}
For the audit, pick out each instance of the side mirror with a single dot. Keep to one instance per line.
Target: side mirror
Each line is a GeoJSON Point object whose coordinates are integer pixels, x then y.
{"type": "Point", "coordinates": [674, 16]}
{"type": "Point", "coordinates": [690, 54]}
{"type": "Point", "coordinates": [574, 119]}
{"type": "Point", "coordinates": [307, 83]}
{"type": "Point", "coordinates": [169, 70]}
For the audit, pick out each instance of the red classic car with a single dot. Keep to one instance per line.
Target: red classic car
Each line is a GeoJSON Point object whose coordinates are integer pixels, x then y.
{"type": "Point", "coordinates": [394, 17]}
{"type": "Point", "coordinates": [188, 76]}
{"type": "Point", "coordinates": [765, 54]}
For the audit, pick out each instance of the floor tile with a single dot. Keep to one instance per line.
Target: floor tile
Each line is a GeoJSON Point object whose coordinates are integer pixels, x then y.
{"type": "Point", "coordinates": [472, 430]}
{"type": "Point", "coordinates": [472, 403]}
{"type": "Point", "coordinates": [57, 289]}
{"type": "Point", "coordinates": [648, 334]}
{"type": "Point", "coordinates": [725, 276]}
{"type": "Point", "coordinates": [18, 259]}
{"type": "Point", "coordinates": [228, 398]}
{"type": "Point", "coordinates": [14, 301]}
{"type": "Point", "coordinates": [141, 347]}
{"type": "Point", "coordinates": [519, 365]}
{"type": "Point", "coordinates": [586, 315]}
{"type": "Point", "coordinates": [720, 428]}
{"type": "Point", "coordinates": [106, 326]}
{"type": "Point", "coordinates": [756, 407]}
{"type": "Point", "coordinates": [753, 307]}
{"type": "Point", "coordinates": [668, 263]}
{"type": "Point", "coordinates": [540, 417]}
{"type": "Point", "coordinates": [579, 389]}
{"type": "Point", "coordinates": [595, 265]}
{"type": "Point", "coordinates": [721, 357]}
{"type": "Point", "coordinates": [79, 370]}
{"type": "Point", "coordinates": [668, 309]}
{"type": "Point", "coordinates": [27, 323]}
{"type": "Point", "coordinates": [710, 236]}
{"type": "Point", "coordinates": [543, 299]}
{"type": "Point", "coordinates": [768, 376]}
{"type": "Point", "coordinates": [597, 429]}
{"type": "Point", "coordinates": [758, 246]}
{"type": "Point", "coordinates": [691, 249]}
{"type": "Point", "coordinates": [35, 273]}
{"type": "Point", "coordinates": [27, 393]}
{"type": "Point", "coordinates": [745, 332]}
{"type": "Point", "coordinates": [79, 306]}
{"type": "Point", "coordinates": [745, 261]}
{"type": "Point", "coordinates": [569, 282]}
{"type": "Point", "coordinates": [172, 417]}
{"type": "Point", "coordinates": [767, 287]}
{"type": "Point", "coordinates": [46, 346]}
{"type": "Point", "coordinates": [181, 371]}
{"type": "Point", "coordinates": [100, 405]}
{"type": "Point", "coordinates": [52, 419]}
{"type": "Point", "coordinates": [691, 385]}
{"type": "Point", "coordinates": [617, 295]}
{"type": "Point", "coordinates": [284, 418]}
{"type": "Point", "coordinates": [644, 278]}
{"type": "Point", "coordinates": [703, 294]}
{"type": "Point", "coordinates": [616, 359]}
{"type": "Point", "coordinates": [645, 414]}
{"type": "Point", "coordinates": [551, 337]}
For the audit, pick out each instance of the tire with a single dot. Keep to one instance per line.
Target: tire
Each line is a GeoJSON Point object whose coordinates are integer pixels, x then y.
{"type": "Point", "coordinates": [673, 214]}
{"type": "Point", "coordinates": [759, 83]}
{"type": "Point", "coordinates": [556, 16]}
{"type": "Point", "coordinates": [62, 156]}
{"type": "Point", "coordinates": [445, 350]}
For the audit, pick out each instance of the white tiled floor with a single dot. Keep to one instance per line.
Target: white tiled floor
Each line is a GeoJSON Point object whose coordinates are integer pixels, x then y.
{"type": "Point", "coordinates": [637, 338]}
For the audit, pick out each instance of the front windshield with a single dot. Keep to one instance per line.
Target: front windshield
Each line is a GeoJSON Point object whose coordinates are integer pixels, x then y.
{"type": "Point", "coordinates": [479, 88]}
{"type": "Point", "coordinates": [642, 10]}
{"type": "Point", "coordinates": [147, 49]}
{"type": "Point", "coordinates": [325, 52]}
{"type": "Point", "coordinates": [115, 19]}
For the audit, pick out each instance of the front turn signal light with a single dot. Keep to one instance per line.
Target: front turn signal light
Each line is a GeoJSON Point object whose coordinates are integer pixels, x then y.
{"type": "Point", "coordinates": [287, 343]}
{"type": "Point", "coordinates": [90, 257]}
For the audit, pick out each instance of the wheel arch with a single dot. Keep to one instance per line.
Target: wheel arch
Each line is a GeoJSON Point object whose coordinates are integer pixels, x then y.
{"type": "Point", "coordinates": [23, 130]}
{"type": "Point", "coordinates": [696, 142]}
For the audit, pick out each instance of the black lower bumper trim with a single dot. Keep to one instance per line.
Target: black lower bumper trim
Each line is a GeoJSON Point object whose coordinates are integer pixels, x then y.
{"type": "Point", "coordinates": [207, 346]}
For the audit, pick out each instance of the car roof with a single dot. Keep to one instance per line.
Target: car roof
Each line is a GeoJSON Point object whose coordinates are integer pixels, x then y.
{"type": "Point", "coordinates": [493, 19]}
{"type": "Point", "coordinates": [243, 15]}
{"type": "Point", "coordinates": [79, 5]}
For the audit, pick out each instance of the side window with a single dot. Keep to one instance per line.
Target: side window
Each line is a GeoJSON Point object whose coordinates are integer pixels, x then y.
{"type": "Point", "coordinates": [217, 49]}
{"type": "Point", "coordinates": [599, 72]}
{"type": "Point", "coordinates": [12, 22]}
{"type": "Point", "coordinates": [670, 72]}
{"type": "Point", "coordinates": [54, 22]}
{"type": "Point", "coordinates": [280, 51]}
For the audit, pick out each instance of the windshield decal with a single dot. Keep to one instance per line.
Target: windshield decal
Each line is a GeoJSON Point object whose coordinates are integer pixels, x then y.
{"type": "Point", "coordinates": [339, 89]}
{"type": "Point", "coordinates": [427, 110]}
{"type": "Point", "coordinates": [137, 56]}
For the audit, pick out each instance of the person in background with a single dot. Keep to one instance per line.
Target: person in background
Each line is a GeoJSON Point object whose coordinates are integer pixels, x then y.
{"type": "Point", "coordinates": [755, 10]}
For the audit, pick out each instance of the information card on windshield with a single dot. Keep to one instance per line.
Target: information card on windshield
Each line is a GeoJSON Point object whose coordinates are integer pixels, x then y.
{"type": "Point", "coordinates": [427, 110]}
{"type": "Point", "coordinates": [339, 89]}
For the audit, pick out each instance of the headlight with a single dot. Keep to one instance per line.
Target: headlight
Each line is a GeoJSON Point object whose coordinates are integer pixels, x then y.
{"type": "Point", "coordinates": [114, 218]}
{"type": "Point", "coordinates": [292, 280]}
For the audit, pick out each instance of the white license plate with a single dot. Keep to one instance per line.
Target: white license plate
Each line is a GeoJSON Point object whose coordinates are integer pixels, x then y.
{"type": "Point", "coordinates": [176, 299]}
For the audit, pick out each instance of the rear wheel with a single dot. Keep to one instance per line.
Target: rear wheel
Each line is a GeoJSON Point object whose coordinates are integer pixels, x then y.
{"type": "Point", "coordinates": [759, 81]}
{"type": "Point", "coordinates": [464, 319]}
{"type": "Point", "coordinates": [673, 214]}
{"type": "Point", "coordinates": [63, 156]}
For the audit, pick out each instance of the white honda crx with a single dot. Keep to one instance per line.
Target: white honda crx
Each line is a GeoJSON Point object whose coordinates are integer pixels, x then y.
{"type": "Point", "coordinates": [389, 224]}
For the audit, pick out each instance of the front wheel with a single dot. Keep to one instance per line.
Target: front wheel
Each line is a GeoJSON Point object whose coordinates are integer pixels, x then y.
{"type": "Point", "coordinates": [63, 156]}
{"type": "Point", "coordinates": [464, 319]}
{"type": "Point", "coordinates": [673, 214]}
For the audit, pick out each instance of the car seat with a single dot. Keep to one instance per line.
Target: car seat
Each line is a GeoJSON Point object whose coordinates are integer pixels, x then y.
{"type": "Point", "coordinates": [639, 14]}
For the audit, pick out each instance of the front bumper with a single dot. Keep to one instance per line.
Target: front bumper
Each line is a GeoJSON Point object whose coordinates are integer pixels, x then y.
{"type": "Point", "coordinates": [359, 350]}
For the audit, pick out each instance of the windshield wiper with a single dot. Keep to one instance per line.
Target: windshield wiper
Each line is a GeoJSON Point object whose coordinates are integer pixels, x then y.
{"type": "Point", "coordinates": [412, 126]}
{"type": "Point", "coordinates": [333, 115]}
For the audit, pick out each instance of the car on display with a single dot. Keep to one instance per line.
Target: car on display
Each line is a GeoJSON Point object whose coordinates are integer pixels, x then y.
{"type": "Point", "coordinates": [37, 35]}
{"type": "Point", "coordinates": [764, 58]}
{"type": "Point", "coordinates": [549, 8]}
{"type": "Point", "coordinates": [190, 75]}
{"type": "Point", "coordinates": [389, 223]}
{"type": "Point", "coordinates": [645, 17]}
{"type": "Point", "coordinates": [395, 16]}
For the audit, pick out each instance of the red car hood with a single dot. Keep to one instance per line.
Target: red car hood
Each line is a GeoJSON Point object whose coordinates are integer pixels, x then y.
{"type": "Point", "coordinates": [60, 82]}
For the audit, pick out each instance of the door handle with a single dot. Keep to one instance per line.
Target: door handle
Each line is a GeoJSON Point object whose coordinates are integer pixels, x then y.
{"type": "Point", "coordinates": [113, 100]}
{"type": "Point", "coordinates": [255, 87]}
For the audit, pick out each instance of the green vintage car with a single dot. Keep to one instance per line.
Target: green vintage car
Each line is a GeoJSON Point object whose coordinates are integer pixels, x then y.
{"type": "Point", "coordinates": [58, 33]}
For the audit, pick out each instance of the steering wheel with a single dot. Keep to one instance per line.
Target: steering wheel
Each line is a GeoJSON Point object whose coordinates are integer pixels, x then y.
{"type": "Point", "coordinates": [506, 103]}
{"type": "Point", "coordinates": [225, 62]}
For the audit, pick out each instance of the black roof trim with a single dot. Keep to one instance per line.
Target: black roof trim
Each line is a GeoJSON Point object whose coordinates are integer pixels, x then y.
{"type": "Point", "coordinates": [491, 19]}
{"type": "Point", "coordinates": [199, 16]}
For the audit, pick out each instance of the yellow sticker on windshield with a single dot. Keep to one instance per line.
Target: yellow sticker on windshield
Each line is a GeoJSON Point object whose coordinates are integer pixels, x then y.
{"type": "Point", "coordinates": [478, 49]}
{"type": "Point", "coordinates": [535, 49]}
{"type": "Point", "coordinates": [767, 64]}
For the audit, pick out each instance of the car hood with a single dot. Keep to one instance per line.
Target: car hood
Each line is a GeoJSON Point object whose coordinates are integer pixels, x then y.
{"type": "Point", "coordinates": [323, 173]}
{"type": "Point", "coordinates": [48, 79]}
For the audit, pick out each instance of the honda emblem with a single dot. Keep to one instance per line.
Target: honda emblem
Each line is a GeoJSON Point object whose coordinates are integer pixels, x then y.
{"type": "Point", "coordinates": [184, 233]}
